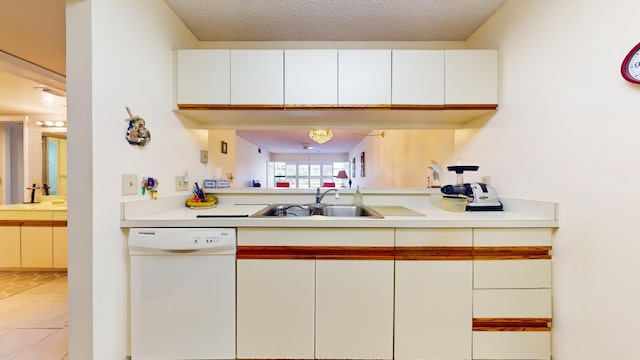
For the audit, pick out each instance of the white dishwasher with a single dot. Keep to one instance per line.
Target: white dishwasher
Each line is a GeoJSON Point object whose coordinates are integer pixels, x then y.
{"type": "Point", "coordinates": [183, 293]}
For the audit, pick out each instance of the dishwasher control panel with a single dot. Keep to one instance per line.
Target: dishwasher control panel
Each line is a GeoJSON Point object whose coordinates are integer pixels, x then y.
{"type": "Point", "coordinates": [183, 239]}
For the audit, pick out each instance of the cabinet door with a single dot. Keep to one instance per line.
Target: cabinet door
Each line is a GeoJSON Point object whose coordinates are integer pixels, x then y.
{"type": "Point", "coordinates": [10, 247]}
{"type": "Point", "coordinates": [60, 247]}
{"type": "Point", "coordinates": [418, 77]}
{"type": "Point", "coordinates": [275, 317]}
{"type": "Point", "coordinates": [203, 77]}
{"type": "Point", "coordinates": [511, 345]}
{"type": "Point", "coordinates": [471, 77]}
{"type": "Point", "coordinates": [37, 246]}
{"type": "Point", "coordinates": [311, 77]}
{"type": "Point", "coordinates": [354, 309]}
{"type": "Point", "coordinates": [364, 77]}
{"type": "Point", "coordinates": [257, 77]}
{"type": "Point", "coordinates": [433, 306]}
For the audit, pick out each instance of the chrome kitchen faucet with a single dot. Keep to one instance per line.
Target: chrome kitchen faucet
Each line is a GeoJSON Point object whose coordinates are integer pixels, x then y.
{"type": "Point", "coordinates": [319, 196]}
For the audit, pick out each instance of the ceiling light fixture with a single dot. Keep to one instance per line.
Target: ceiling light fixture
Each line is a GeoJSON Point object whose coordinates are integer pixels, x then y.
{"type": "Point", "coordinates": [50, 123]}
{"type": "Point", "coordinates": [320, 136]}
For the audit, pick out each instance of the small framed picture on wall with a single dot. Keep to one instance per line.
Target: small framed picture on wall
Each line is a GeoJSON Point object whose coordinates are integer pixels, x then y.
{"type": "Point", "coordinates": [223, 147]}
{"type": "Point", "coordinates": [362, 164]}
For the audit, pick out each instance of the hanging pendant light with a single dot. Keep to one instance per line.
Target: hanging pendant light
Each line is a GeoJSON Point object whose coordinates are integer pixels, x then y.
{"type": "Point", "coordinates": [320, 136]}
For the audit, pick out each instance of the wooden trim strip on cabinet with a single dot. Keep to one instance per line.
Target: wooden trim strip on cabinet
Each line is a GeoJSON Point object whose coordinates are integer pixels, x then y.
{"type": "Point", "coordinates": [511, 252]}
{"type": "Point", "coordinates": [336, 106]}
{"type": "Point", "coordinates": [471, 106]}
{"type": "Point", "coordinates": [416, 107]}
{"type": "Point", "coordinates": [433, 253]}
{"type": "Point", "coordinates": [310, 106]}
{"type": "Point", "coordinates": [257, 107]}
{"type": "Point", "coordinates": [512, 324]}
{"type": "Point", "coordinates": [364, 106]}
{"type": "Point", "coordinates": [316, 252]}
{"type": "Point", "coordinates": [34, 223]}
{"type": "Point", "coordinates": [204, 107]}
{"type": "Point", "coordinates": [230, 107]}
{"type": "Point", "coordinates": [10, 222]}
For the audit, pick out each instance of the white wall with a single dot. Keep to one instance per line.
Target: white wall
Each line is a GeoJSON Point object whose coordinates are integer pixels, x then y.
{"type": "Point", "coordinates": [401, 158]}
{"type": "Point", "coordinates": [567, 131]}
{"type": "Point", "coordinates": [119, 53]}
{"type": "Point", "coordinates": [223, 166]}
{"type": "Point", "coordinates": [250, 164]}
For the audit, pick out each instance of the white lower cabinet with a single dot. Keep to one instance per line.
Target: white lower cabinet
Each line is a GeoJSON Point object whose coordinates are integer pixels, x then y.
{"type": "Point", "coordinates": [275, 305]}
{"type": "Point", "coordinates": [406, 293]}
{"type": "Point", "coordinates": [433, 310]}
{"type": "Point", "coordinates": [60, 247]}
{"type": "Point", "coordinates": [354, 309]}
{"type": "Point", "coordinates": [433, 289]}
{"type": "Point", "coordinates": [36, 246]}
{"type": "Point", "coordinates": [10, 247]}
{"type": "Point", "coordinates": [512, 302]}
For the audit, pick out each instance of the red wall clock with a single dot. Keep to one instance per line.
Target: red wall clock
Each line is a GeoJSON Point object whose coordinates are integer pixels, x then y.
{"type": "Point", "coordinates": [630, 67]}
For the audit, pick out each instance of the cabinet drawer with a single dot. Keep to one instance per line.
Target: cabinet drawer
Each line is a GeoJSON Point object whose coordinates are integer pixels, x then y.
{"type": "Point", "coordinates": [512, 303]}
{"type": "Point", "coordinates": [505, 274]}
{"type": "Point", "coordinates": [512, 237]}
{"type": "Point", "coordinates": [511, 345]}
{"type": "Point", "coordinates": [433, 237]}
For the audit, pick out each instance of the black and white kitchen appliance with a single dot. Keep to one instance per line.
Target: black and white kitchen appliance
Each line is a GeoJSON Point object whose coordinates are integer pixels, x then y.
{"type": "Point", "coordinates": [183, 294]}
{"type": "Point", "coordinates": [480, 196]}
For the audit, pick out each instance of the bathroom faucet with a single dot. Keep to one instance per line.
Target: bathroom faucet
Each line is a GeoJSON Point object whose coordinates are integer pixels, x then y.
{"type": "Point", "coordinates": [319, 196]}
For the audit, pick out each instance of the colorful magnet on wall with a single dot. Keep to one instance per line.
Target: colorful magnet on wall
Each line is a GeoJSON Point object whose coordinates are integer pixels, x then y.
{"type": "Point", "coordinates": [150, 184]}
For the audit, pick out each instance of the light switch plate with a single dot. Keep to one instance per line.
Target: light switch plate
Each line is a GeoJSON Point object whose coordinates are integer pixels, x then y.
{"type": "Point", "coordinates": [204, 156]}
{"type": "Point", "coordinates": [181, 184]}
{"type": "Point", "coordinates": [129, 184]}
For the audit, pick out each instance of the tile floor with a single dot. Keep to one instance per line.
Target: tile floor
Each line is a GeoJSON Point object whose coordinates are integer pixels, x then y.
{"type": "Point", "coordinates": [33, 316]}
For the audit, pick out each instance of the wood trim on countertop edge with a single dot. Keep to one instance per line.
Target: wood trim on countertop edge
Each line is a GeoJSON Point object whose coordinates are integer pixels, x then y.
{"type": "Point", "coordinates": [34, 223]}
{"type": "Point", "coordinates": [512, 324]}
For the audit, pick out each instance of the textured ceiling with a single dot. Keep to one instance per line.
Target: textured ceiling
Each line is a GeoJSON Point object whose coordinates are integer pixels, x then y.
{"type": "Point", "coordinates": [334, 20]}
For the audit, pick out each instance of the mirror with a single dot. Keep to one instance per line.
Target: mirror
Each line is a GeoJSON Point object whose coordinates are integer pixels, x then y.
{"type": "Point", "coordinates": [54, 164]}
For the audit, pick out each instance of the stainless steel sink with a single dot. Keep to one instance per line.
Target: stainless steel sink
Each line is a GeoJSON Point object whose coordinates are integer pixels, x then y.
{"type": "Point", "coordinates": [295, 210]}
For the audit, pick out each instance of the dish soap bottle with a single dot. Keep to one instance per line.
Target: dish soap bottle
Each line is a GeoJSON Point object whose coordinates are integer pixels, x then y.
{"type": "Point", "coordinates": [357, 197]}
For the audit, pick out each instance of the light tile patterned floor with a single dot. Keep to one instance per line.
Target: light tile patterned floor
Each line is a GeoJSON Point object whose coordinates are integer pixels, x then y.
{"type": "Point", "coordinates": [33, 316]}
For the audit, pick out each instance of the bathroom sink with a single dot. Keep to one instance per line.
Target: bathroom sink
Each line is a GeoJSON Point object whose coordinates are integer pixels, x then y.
{"type": "Point", "coordinates": [295, 210]}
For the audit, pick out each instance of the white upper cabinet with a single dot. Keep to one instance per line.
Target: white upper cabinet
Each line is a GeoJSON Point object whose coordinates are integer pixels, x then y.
{"type": "Point", "coordinates": [257, 77]}
{"type": "Point", "coordinates": [417, 77]}
{"type": "Point", "coordinates": [311, 77]}
{"type": "Point", "coordinates": [471, 77]}
{"type": "Point", "coordinates": [364, 77]}
{"type": "Point", "coordinates": [203, 77]}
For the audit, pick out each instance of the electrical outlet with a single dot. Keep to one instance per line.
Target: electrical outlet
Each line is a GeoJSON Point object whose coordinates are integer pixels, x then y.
{"type": "Point", "coordinates": [129, 184]}
{"type": "Point", "coordinates": [182, 184]}
{"type": "Point", "coordinates": [204, 156]}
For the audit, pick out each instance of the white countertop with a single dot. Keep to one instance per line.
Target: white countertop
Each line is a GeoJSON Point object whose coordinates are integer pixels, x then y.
{"type": "Point", "coordinates": [43, 206]}
{"type": "Point", "coordinates": [518, 213]}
